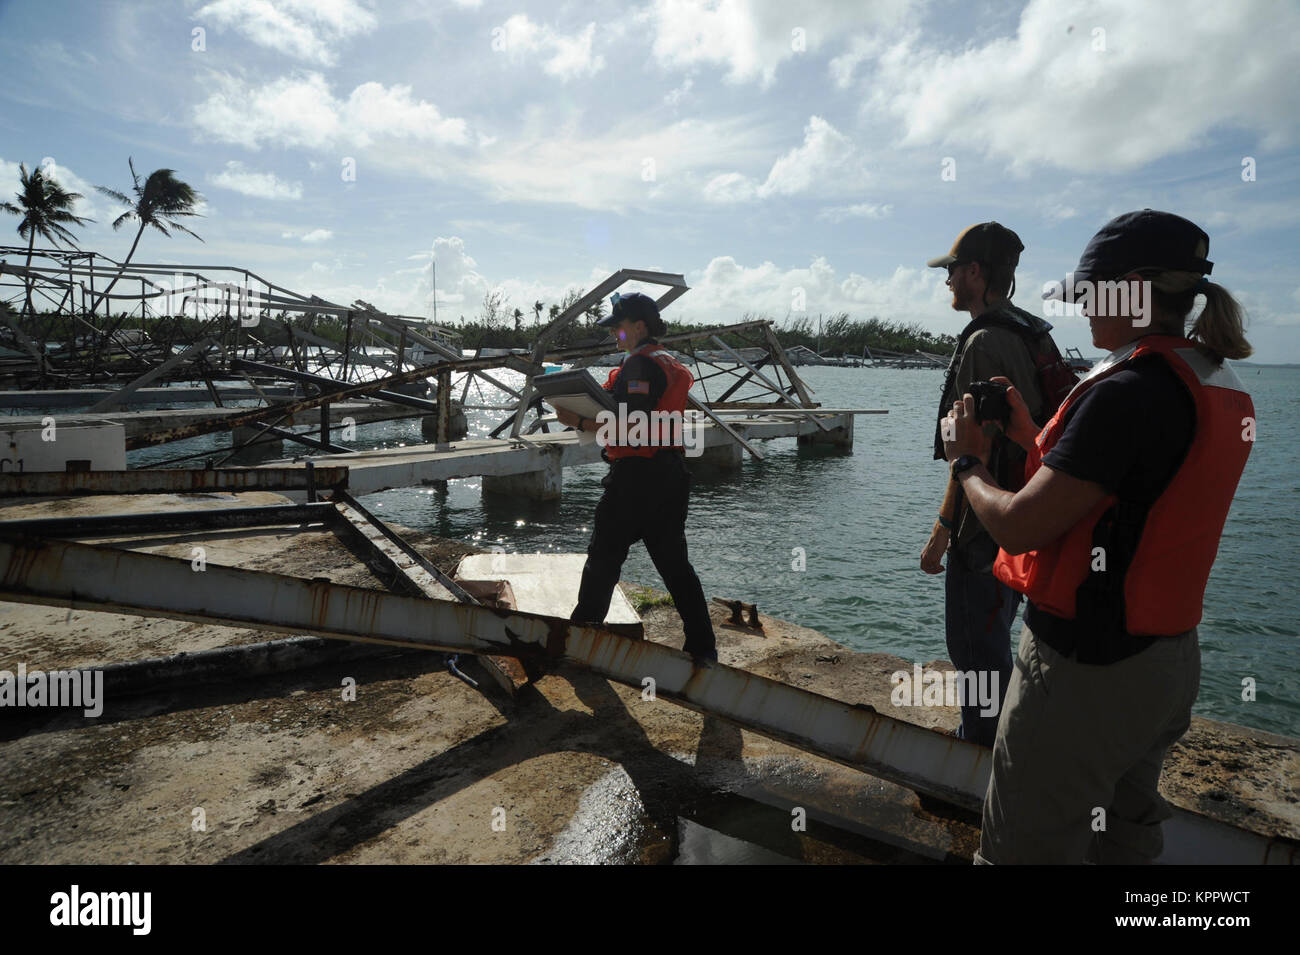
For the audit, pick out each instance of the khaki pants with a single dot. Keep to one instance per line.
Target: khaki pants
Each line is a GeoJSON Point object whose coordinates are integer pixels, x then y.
{"type": "Point", "coordinates": [1076, 764]}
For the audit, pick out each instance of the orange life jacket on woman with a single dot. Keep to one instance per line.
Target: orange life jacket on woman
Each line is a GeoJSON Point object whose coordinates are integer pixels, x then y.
{"type": "Point", "coordinates": [1164, 584]}
{"type": "Point", "coordinates": [661, 434]}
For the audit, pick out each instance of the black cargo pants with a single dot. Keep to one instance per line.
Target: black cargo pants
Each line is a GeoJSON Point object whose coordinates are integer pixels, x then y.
{"type": "Point", "coordinates": [645, 499]}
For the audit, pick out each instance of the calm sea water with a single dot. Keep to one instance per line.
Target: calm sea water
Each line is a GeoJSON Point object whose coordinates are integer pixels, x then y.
{"type": "Point", "coordinates": [862, 518]}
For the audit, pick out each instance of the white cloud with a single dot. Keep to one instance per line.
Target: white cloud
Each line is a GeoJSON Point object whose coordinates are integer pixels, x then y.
{"type": "Point", "coordinates": [301, 111]}
{"type": "Point", "coordinates": [730, 187]}
{"type": "Point", "coordinates": [567, 56]}
{"type": "Point", "coordinates": [861, 49]}
{"type": "Point", "coordinates": [557, 161]}
{"type": "Point", "coordinates": [725, 289]}
{"type": "Point", "coordinates": [1115, 85]}
{"type": "Point", "coordinates": [315, 235]}
{"type": "Point", "coordinates": [674, 97]}
{"type": "Point", "coordinates": [826, 153]}
{"type": "Point", "coordinates": [861, 210]}
{"type": "Point", "coordinates": [259, 185]}
{"type": "Point", "coordinates": [307, 29]}
{"type": "Point", "coordinates": [460, 286]}
{"type": "Point", "coordinates": [549, 156]}
{"type": "Point", "coordinates": [751, 38]}
{"type": "Point", "coordinates": [826, 163]}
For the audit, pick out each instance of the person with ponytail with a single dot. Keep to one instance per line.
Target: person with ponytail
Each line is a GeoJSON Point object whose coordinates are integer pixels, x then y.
{"type": "Point", "coordinates": [1111, 540]}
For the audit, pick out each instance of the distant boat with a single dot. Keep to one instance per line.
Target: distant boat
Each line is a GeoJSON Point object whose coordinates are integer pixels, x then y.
{"type": "Point", "coordinates": [1074, 358]}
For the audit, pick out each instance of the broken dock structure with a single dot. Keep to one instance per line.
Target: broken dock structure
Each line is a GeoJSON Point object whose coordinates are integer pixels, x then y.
{"type": "Point", "coordinates": [315, 394]}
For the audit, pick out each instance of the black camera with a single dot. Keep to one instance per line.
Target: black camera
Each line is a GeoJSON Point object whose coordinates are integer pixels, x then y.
{"type": "Point", "coordinates": [991, 402]}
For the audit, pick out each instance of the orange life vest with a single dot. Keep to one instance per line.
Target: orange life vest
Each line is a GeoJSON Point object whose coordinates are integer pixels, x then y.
{"type": "Point", "coordinates": [661, 434]}
{"type": "Point", "coordinates": [1165, 581]}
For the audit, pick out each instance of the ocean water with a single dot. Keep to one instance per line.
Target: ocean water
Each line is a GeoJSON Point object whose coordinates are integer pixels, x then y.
{"type": "Point", "coordinates": [861, 520]}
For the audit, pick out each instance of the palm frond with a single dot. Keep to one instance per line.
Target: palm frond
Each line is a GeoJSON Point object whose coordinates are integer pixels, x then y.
{"type": "Point", "coordinates": [115, 195]}
{"type": "Point", "coordinates": [177, 225]}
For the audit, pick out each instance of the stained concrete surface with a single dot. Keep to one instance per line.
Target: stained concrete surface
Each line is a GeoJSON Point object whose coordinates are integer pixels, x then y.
{"type": "Point", "coordinates": [421, 767]}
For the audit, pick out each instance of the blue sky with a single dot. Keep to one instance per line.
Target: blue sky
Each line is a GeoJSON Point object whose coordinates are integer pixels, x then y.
{"type": "Point", "coordinates": [761, 148]}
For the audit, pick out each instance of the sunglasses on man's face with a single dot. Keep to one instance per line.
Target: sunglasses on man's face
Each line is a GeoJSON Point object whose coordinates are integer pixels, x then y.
{"type": "Point", "coordinates": [956, 265]}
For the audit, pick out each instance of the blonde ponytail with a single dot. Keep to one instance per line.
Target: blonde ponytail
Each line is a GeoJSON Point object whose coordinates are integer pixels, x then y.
{"type": "Point", "coordinates": [1220, 325]}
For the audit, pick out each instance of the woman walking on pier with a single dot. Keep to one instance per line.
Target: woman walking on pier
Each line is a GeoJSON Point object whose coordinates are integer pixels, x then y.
{"type": "Point", "coordinates": [648, 487]}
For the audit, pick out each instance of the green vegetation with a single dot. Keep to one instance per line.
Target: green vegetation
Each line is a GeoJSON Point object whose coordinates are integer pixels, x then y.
{"type": "Point", "coordinates": [644, 598]}
{"type": "Point", "coordinates": [498, 326]}
{"type": "Point", "coordinates": [840, 335]}
{"type": "Point", "coordinates": [159, 201]}
{"type": "Point", "coordinates": [46, 210]}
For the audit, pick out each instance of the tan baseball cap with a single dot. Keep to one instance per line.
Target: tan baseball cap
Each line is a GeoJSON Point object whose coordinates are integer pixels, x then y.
{"type": "Point", "coordinates": [987, 242]}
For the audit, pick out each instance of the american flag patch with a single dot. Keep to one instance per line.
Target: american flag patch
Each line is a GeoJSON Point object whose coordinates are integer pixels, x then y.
{"type": "Point", "coordinates": [637, 387]}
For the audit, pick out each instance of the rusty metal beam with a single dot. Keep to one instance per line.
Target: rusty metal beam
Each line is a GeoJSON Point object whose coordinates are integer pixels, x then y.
{"type": "Point", "coordinates": [405, 570]}
{"type": "Point", "coordinates": [192, 520]}
{"type": "Point", "coordinates": [83, 577]}
{"type": "Point", "coordinates": [169, 481]}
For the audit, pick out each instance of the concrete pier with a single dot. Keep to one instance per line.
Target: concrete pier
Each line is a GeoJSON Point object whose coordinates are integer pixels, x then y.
{"type": "Point", "coordinates": [545, 484]}
{"type": "Point", "coordinates": [417, 465]}
{"type": "Point", "coordinates": [719, 459]}
{"type": "Point", "coordinates": [839, 436]}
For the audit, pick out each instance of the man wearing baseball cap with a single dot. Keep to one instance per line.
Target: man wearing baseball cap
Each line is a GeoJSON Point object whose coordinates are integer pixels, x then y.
{"type": "Point", "coordinates": [648, 487]}
{"type": "Point", "coordinates": [978, 609]}
{"type": "Point", "coordinates": [1111, 540]}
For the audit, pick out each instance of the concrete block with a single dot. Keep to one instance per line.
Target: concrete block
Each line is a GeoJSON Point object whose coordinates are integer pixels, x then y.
{"type": "Point", "coordinates": [548, 584]}
{"type": "Point", "coordinates": [719, 459]}
{"type": "Point", "coordinates": [62, 443]}
{"type": "Point", "coordinates": [836, 437]}
{"type": "Point", "coordinates": [546, 484]}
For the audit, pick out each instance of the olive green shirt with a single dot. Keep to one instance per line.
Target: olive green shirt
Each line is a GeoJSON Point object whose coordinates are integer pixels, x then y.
{"type": "Point", "coordinates": [990, 352]}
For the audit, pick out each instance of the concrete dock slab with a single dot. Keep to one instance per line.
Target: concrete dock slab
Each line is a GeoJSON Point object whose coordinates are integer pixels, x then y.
{"type": "Point", "coordinates": [418, 464]}
{"type": "Point", "coordinates": [548, 584]}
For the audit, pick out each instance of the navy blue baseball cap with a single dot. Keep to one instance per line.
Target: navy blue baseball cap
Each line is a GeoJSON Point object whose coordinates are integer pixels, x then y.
{"type": "Point", "coordinates": [632, 306]}
{"type": "Point", "coordinates": [1145, 241]}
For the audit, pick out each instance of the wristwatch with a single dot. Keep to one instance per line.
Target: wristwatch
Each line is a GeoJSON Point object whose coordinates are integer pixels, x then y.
{"type": "Point", "coordinates": [964, 463]}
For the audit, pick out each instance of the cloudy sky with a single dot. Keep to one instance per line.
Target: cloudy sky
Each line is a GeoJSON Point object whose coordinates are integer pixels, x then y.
{"type": "Point", "coordinates": [765, 149]}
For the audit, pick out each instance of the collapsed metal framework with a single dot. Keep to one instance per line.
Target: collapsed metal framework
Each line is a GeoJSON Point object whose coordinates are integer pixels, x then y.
{"type": "Point", "coordinates": [427, 610]}
{"type": "Point", "coordinates": [409, 365]}
{"type": "Point", "coordinates": [97, 343]}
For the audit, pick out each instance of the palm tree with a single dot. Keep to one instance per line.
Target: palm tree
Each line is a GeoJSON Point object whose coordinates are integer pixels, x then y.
{"type": "Point", "coordinates": [158, 202]}
{"type": "Point", "coordinates": [537, 312]}
{"type": "Point", "coordinates": [596, 311]}
{"type": "Point", "coordinates": [45, 206]}
{"type": "Point", "coordinates": [518, 315]}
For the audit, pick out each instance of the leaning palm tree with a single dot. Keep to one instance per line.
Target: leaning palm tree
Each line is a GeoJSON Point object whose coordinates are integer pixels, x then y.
{"type": "Point", "coordinates": [45, 207]}
{"type": "Point", "coordinates": [158, 202]}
